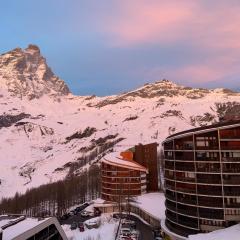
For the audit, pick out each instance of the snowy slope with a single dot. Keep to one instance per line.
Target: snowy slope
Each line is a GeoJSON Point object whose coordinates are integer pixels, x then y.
{"type": "Point", "coordinates": [36, 134]}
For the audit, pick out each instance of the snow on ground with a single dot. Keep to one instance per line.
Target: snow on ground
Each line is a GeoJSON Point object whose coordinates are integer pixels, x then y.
{"type": "Point", "coordinates": [231, 233]}
{"type": "Point", "coordinates": [43, 154]}
{"type": "Point", "coordinates": [106, 231]}
{"type": "Point", "coordinates": [153, 203]}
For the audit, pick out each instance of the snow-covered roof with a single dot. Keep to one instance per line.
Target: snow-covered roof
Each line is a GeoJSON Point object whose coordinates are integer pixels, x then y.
{"type": "Point", "coordinates": [114, 160]}
{"type": "Point", "coordinates": [18, 228]}
{"type": "Point", "coordinates": [152, 203]}
{"type": "Point", "coordinates": [231, 233]}
{"type": "Point", "coordinates": [23, 228]}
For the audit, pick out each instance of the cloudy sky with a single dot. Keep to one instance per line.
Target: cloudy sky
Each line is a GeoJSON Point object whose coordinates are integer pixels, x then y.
{"type": "Point", "coordinates": [109, 46]}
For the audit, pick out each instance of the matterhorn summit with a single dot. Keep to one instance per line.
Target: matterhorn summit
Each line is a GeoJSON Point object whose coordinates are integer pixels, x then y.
{"type": "Point", "coordinates": [25, 73]}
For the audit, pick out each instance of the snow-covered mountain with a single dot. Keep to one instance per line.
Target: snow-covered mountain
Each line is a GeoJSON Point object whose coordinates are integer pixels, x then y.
{"type": "Point", "coordinates": [45, 131]}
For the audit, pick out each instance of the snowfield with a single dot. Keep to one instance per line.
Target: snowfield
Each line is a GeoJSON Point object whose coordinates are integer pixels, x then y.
{"type": "Point", "coordinates": [34, 150]}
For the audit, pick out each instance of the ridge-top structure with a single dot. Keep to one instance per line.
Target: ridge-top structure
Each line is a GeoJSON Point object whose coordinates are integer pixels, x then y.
{"type": "Point", "coordinates": [202, 179]}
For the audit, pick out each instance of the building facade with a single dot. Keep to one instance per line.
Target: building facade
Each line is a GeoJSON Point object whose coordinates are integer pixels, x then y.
{"type": "Point", "coordinates": [202, 179]}
{"type": "Point", "coordinates": [146, 155]}
{"type": "Point", "coordinates": [121, 178]}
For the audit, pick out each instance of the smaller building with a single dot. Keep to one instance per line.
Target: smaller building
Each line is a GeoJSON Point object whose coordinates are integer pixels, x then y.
{"type": "Point", "coordinates": [146, 155]}
{"type": "Point", "coordinates": [122, 177]}
{"type": "Point", "coordinates": [16, 227]}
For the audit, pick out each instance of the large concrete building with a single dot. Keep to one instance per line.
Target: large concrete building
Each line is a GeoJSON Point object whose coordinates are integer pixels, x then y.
{"type": "Point", "coordinates": [202, 179]}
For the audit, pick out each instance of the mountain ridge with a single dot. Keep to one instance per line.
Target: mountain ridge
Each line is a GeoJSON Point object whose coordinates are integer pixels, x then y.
{"type": "Point", "coordinates": [51, 134]}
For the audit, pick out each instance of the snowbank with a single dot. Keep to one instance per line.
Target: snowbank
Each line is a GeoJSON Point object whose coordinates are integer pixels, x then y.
{"type": "Point", "coordinates": [152, 203]}
{"type": "Point", "coordinates": [231, 233]}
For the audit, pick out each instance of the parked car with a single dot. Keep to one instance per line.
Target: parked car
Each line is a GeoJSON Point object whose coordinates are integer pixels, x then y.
{"type": "Point", "coordinates": [73, 226]}
{"type": "Point", "coordinates": [87, 214]}
{"type": "Point", "coordinates": [97, 212]}
{"type": "Point", "coordinates": [125, 232]}
{"type": "Point", "coordinates": [81, 226]}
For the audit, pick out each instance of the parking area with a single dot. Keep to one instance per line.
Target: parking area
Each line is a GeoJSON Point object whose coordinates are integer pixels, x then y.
{"type": "Point", "coordinates": [132, 228]}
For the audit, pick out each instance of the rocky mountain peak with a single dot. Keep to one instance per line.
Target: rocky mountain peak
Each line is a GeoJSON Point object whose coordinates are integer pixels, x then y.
{"type": "Point", "coordinates": [25, 73]}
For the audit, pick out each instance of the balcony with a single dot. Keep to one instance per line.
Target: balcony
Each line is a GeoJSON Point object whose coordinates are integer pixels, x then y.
{"type": "Point", "coordinates": [233, 133]}
{"type": "Point", "coordinates": [187, 210]}
{"type": "Point", "coordinates": [231, 159]}
{"type": "Point", "coordinates": [231, 179]}
{"type": "Point", "coordinates": [179, 229]}
{"type": "Point", "coordinates": [169, 165]}
{"type": "Point", "coordinates": [170, 205]}
{"type": "Point", "coordinates": [210, 190]}
{"type": "Point", "coordinates": [168, 145]}
{"type": "Point", "coordinates": [211, 213]}
{"type": "Point", "coordinates": [170, 195]}
{"type": "Point", "coordinates": [208, 167]}
{"type": "Point", "coordinates": [188, 199]}
{"type": "Point", "coordinates": [185, 167]}
{"type": "Point", "coordinates": [231, 191]}
{"type": "Point", "coordinates": [230, 145]}
{"type": "Point", "coordinates": [186, 190]}
{"type": "Point", "coordinates": [184, 156]}
{"type": "Point", "coordinates": [188, 221]}
{"type": "Point", "coordinates": [184, 179]}
{"type": "Point", "coordinates": [209, 178]}
{"type": "Point", "coordinates": [210, 201]}
{"type": "Point", "coordinates": [231, 167]}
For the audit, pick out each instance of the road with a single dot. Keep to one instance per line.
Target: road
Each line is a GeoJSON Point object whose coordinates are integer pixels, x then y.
{"type": "Point", "coordinates": [145, 230]}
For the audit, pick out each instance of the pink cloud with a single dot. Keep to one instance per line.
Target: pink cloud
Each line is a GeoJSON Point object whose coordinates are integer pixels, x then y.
{"type": "Point", "coordinates": [142, 22]}
{"type": "Point", "coordinates": [148, 21]}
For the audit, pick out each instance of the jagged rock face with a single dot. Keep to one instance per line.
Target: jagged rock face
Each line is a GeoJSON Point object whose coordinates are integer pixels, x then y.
{"type": "Point", "coordinates": [25, 73]}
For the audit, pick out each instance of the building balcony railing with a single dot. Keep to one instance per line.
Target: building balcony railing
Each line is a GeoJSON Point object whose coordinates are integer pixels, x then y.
{"type": "Point", "coordinates": [231, 170]}
{"type": "Point", "coordinates": [188, 211]}
{"type": "Point", "coordinates": [170, 196]}
{"type": "Point", "coordinates": [210, 148]}
{"type": "Point", "coordinates": [211, 214]}
{"type": "Point", "coordinates": [192, 223]}
{"type": "Point", "coordinates": [210, 191]}
{"type": "Point", "coordinates": [212, 179]}
{"type": "Point", "coordinates": [232, 180]}
{"type": "Point", "coordinates": [187, 200]}
{"type": "Point", "coordinates": [231, 192]}
{"type": "Point", "coordinates": [206, 159]}
{"type": "Point", "coordinates": [186, 190]}
{"type": "Point", "coordinates": [213, 202]}
{"type": "Point", "coordinates": [170, 205]}
{"type": "Point", "coordinates": [116, 180]}
{"type": "Point", "coordinates": [185, 167]}
{"type": "Point", "coordinates": [209, 169]}
{"type": "Point", "coordinates": [185, 179]}
{"type": "Point", "coordinates": [229, 147]}
{"type": "Point", "coordinates": [231, 159]}
{"type": "Point", "coordinates": [179, 229]}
